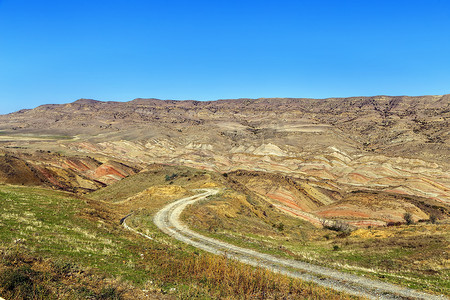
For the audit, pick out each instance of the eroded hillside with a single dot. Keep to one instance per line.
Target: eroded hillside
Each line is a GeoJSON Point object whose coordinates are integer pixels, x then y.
{"type": "Point", "coordinates": [335, 150]}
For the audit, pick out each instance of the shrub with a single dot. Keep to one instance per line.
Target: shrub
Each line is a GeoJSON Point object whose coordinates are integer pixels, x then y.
{"type": "Point", "coordinates": [344, 234]}
{"type": "Point", "coordinates": [280, 226]}
{"type": "Point", "coordinates": [390, 224]}
{"type": "Point", "coordinates": [171, 177]}
{"type": "Point", "coordinates": [433, 219]}
{"type": "Point", "coordinates": [408, 218]}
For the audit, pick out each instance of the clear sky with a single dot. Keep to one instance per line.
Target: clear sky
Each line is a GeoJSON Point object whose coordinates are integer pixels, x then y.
{"type": "Point", "coordinates": [59, 51]}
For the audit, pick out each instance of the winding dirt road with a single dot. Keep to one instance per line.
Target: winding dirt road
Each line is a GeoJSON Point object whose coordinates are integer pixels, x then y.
{"type": "Point", "coordinates": [168, 220]}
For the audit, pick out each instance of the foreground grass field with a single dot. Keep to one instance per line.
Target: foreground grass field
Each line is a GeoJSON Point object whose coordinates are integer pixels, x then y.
{"type": "Point", "coordinates": [54, 245]}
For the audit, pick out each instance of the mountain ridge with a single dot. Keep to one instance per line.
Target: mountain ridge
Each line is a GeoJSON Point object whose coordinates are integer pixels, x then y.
{"type": "Point", "coordinates": [395, 144]}
{"type": "Point", "coordinates": [246, 101]}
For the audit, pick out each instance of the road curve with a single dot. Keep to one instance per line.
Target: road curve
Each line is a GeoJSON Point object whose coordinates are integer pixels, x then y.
{"type": "Point", "coordinates": [168, 221]}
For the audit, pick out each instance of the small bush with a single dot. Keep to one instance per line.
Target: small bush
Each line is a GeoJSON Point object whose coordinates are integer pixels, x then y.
{"type": "Point", "coordinates": [408, 218]}
{"type": "Point", "coordinates": [280, 227]}
{"type": "Point", "coordinates": [433, 219]}
{"type": "Point", "coordinates": [390, 224]}
{"type": "Point", "coordinates": [344, 234]}
{"type": "Point", "coordinates": [171, 177]}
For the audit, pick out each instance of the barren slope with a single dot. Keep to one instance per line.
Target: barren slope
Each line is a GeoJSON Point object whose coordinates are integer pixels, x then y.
{"type": "Point", "coordinates": [397, 145]}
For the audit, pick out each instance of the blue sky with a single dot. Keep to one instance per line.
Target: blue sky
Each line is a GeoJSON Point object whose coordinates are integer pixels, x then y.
{"type": "Point", "coordinates": [60, 51]}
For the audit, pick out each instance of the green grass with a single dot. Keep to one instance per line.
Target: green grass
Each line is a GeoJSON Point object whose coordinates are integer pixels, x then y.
{"type": "Point", "coordinates": [54, 245]}
{"type": "Point", "coordinates": [385, 265]}
{"type": "Point", "coordinates": [46, 223]}
{"type": "Point", "coordinates": [157, 175]}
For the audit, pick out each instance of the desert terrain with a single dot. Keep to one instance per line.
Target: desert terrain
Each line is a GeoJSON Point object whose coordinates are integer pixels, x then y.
{"type": "Point", "coordinates": [357, 184]}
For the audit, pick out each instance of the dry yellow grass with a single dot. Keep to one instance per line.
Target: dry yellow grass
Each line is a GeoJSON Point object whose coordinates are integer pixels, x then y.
{"type": "Point", "coordinates": [233, 280]}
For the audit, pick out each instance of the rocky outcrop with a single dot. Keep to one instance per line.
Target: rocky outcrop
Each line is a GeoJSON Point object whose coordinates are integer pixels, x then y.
{"type": "Point", "coordinates": [75, 174]}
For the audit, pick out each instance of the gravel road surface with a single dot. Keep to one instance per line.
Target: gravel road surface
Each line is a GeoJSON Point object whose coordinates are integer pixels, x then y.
{"type": "Point", "coordinates": [168, 220]}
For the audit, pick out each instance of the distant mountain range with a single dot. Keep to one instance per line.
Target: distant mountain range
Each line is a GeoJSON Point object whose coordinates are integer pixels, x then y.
{"type": "Point", "coordinates": [383, 143]}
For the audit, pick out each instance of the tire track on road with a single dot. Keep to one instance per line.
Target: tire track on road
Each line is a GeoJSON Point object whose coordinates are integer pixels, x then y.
{"type": "Point", "coordinates": [168, 221]}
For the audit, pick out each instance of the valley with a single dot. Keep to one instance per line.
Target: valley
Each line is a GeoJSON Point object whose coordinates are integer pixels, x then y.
{"type": "Point", "coordinates": [361, 184]}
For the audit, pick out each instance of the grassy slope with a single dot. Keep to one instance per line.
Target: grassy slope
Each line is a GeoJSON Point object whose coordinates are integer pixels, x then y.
{"type": "Point", "coordinates": [46, 224]}
{"type": "Point", "coordinates": [416, 256]}
{"type": "Point", "coordinates": [55, 245]}
{"type": "Point", "coordinates": [155, 175]}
